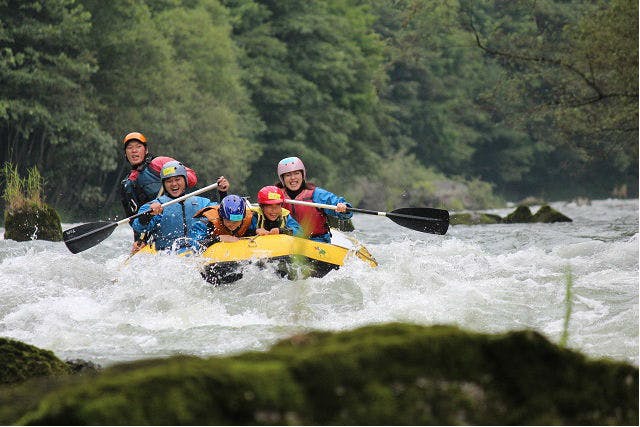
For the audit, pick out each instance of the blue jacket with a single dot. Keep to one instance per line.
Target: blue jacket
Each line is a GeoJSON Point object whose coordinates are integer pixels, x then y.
{"type": "Point", "coordinates": [175, 222]}
{"type": "Point", "coordinates": [320, 195]}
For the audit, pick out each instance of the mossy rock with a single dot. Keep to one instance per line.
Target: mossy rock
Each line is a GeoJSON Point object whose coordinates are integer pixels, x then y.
{"type": "Point", "coordinates": [474, 219]}
{"type": "Point", "coordinates": [520, 214]}
{"type": "Point", "coordinates": [382, 374]}
{"type": "Point", "coordinates": [20, 361]}
{"type": "Point", "coordinates": [547, 214]}
{"type": "Point", "coordinates": [33, 223]}
{"type": "Point", "coordinates": [340, 224]}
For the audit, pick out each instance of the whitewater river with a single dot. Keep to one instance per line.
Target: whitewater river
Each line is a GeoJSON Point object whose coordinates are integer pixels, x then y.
{"type": "Point", "coordinates": [491, 278]}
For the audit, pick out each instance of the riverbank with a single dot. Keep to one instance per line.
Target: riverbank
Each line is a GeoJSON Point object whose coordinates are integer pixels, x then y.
{"type": "Point", "coordinates": [384, 374]}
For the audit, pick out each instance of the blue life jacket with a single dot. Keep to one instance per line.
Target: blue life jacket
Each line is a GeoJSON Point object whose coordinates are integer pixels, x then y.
{"type": "Point", "coordinates": [140, 186]}
{"type": "Point", "coordinates": [175, 223]}
{"type": "Point", "coordinates": [149, 182]}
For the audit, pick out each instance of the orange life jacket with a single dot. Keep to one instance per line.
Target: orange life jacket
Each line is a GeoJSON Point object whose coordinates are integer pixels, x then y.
{"type": "Point", "coordinates": [313, 221]}
{"type": "Point", "coordinates": [216, 225]}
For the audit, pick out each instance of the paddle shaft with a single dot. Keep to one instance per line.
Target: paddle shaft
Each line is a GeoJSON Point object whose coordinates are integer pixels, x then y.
{"type": "Point", "coordinates": [174, 201]}
{"type": "Point", "coordinates": [125, 220]}
{"type": "Point", "coordinates": [364, 211]}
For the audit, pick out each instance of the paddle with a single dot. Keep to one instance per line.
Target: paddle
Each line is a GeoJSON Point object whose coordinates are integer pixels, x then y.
{"type": "Point", "coordinates": [426, 220]}
{"type": "Point", "coordinates": [86, 236]}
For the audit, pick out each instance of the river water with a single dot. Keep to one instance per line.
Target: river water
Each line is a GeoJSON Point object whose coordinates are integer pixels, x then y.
{"type": "Point", "coordinates": [101, 307]}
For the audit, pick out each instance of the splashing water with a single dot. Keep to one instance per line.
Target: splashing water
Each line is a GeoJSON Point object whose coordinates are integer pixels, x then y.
{"type": "Point", "coordinates": [101, 306]}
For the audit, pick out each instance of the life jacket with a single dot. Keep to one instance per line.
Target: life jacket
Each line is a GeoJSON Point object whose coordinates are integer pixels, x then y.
{"type": "Point", "coordinates": [312, 220]}
{"type": "Point", "coordinates": [147, 175]}
{"type": "Point", "coordinates": [262, 220]}
{"type": "Point", "coordinates": [143, 183]}
{"type": "Point", "coordinates": [216, 225]}
{"type": "Point", "coordinates": [178, 220]}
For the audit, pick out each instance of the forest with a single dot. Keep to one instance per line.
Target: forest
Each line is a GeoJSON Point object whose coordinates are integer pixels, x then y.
{"type": "Point", "coordinates": [460, 104]}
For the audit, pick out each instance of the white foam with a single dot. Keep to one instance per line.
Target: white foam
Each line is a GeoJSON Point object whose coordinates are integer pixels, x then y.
{"type": "Point", "coordinates": [496, 278]}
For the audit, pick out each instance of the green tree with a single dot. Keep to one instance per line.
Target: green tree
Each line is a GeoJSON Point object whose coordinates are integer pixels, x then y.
{"type": "Point", "coordinates": [312, 70]}
{"type": "Point", "coordinates": [437, 84]}
{"type": "Point", "coordinates": [168, 69]}
{"type": "Point", "coordinates": [47, 109]}
{"type": "Point", "coordinates": [137, 82]}
{"type": "Point", "coordinates": [220, 130]}
{"type": "Point", "coordinates": [572, 82]}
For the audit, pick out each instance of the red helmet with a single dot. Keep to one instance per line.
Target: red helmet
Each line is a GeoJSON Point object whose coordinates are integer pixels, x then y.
{"type": "Point", "coordinates": [134, 136]}
{"type": "Point", "coordinates": [270, 195]}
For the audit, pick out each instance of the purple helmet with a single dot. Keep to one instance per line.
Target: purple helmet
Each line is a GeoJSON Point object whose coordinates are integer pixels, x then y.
{"type": "Point", "coordinates": [232, 208]}
{"type": "Point", "coordinates": [291, 164]}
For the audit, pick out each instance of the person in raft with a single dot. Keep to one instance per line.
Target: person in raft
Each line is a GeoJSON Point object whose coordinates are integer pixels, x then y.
{"type": "Point", "coordinates": [173, 227]}
{"type": "Point", "coordinates": [292, 175]}
{"type": "Point", "coordinates": [143, 183]}
{"type": "Point", "coordinates": [231, 219]}
{"type": "Point", "coordinates": [228, 221]}
{"type": "Point", "coordinates": [271, 217]}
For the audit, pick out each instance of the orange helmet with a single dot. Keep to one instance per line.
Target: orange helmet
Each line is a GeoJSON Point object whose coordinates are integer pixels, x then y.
{"type": "Point", "coordinates": [270, 195]}
{"type": "Point", "coordinates": [134, 136]}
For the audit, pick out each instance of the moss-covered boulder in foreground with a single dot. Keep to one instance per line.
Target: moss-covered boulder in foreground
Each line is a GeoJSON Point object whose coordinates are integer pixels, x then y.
{"type": "Point", "coordinates": [31, 223]}
{"type": "Point", "coordinates": [386, 374]}
{"type": "Point", "coordinates": [20, 361]}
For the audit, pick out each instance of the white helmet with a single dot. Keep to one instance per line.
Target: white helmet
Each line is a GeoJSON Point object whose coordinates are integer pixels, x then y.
{"type": "Point", "coordinates": [291, 164]}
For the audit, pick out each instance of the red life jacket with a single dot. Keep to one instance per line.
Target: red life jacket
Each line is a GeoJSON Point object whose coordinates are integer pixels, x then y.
{"type": "Point", "coordinates": [212, 213]}
{"type": "Point", "coordinates": [149, 172]}
{"type": "Point", "coordinates": [313, 221]}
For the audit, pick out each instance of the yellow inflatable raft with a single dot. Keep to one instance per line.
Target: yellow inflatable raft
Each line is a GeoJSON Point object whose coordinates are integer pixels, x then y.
{"type": "Point", "coordinates": [294, 257]}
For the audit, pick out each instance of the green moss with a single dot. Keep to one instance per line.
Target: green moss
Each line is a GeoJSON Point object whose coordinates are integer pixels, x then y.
{"type": "Point", "coordinates": [180, 391]}
{"type": "Point", "coordinates": [19, 361]}
{"type": "Point", "coordinates": [340, 224]}
{"type": "Point", "coordinates": [33, 222]}
{"type": "Point", "coordinates": [474, 219]}
{"type": "Point", "coordinates": [547, 214]}
{"type": "Point", "coordinates": [520, 214]}
{"type": "Point", "coordinates": [383, 374]}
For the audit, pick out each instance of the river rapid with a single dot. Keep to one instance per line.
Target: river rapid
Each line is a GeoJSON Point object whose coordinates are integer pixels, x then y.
{"type": "Point", "coordinates": [101, 307]}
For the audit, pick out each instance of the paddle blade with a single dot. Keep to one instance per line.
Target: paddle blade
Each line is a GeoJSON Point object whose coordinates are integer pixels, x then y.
{"type": "Point", "coordinates": [426, 220]}
{"type": "Point", "coordinates": [86, 236]}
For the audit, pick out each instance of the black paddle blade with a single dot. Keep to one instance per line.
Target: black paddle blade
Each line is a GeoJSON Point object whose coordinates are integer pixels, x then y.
{"type": "Point", "coordinates": [426, 220]}
{"type": "Point", "coordinates": [86, 236]}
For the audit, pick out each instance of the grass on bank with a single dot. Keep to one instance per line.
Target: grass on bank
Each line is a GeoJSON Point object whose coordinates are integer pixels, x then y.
{"type": "Point", "coordinates": [22, 192]}
{"type": "Point", "coordinates": [568, 306]}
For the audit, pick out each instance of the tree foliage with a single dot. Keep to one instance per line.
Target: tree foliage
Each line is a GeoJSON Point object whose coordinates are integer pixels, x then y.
{"type": "Point", "coordinates": [571, 81]}
{"type": "Point", "coordinates": [312, 68]}
{"type": "Point", "coordinates": [525, 98]}
{"type": "Point", "coordinates": [47, 112]}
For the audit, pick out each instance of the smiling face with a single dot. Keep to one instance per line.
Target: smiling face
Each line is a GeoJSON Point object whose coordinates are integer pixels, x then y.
{"type": "Point", "coordinates": [175, 186]}
{"type": "Point", "coordinates": [231, 225]}
{"type": "Point", "coordinates": [135, 152]}
{"type": "Point", "coordinates": [272, 212]}
{"type": "Point", "coordinates": [292, 180]}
